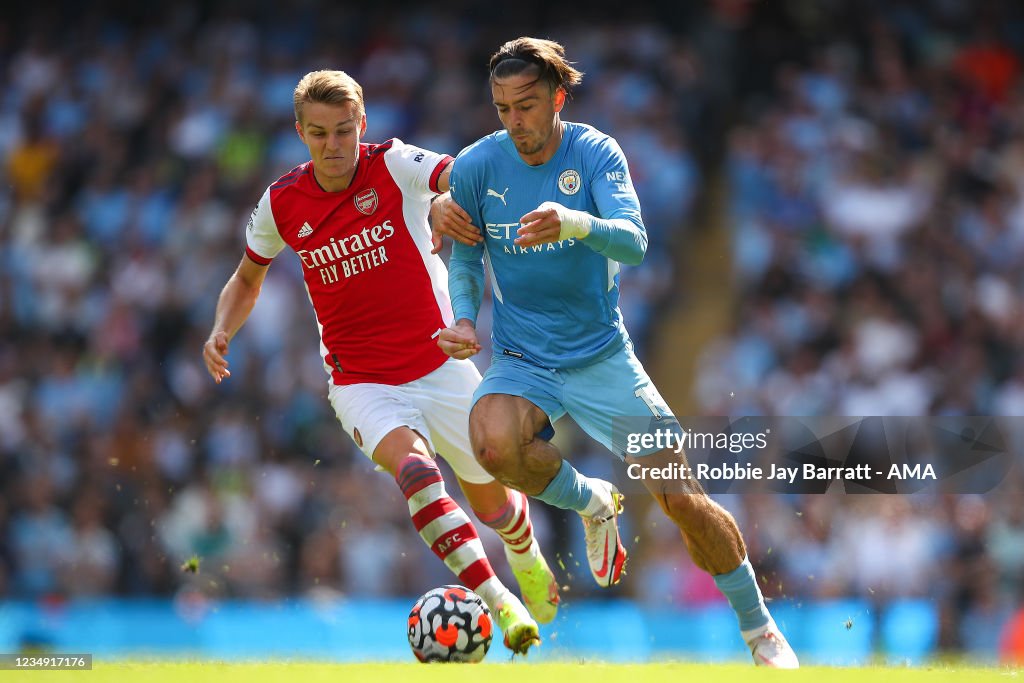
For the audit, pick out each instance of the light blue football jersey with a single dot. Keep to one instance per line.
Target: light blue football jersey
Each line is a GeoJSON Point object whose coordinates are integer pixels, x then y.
{"type": "Point", "coordinates": [556, 305]}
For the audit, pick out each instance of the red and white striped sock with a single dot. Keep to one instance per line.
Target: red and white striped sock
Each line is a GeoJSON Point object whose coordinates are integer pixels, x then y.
{"type": "Point", "coordinates": [512, 523]}
{"type": "Point", "coordinates": [446, 528]}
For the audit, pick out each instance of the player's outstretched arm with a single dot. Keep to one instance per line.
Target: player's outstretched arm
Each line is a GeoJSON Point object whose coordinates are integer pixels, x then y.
{"type": "Point", "coordinates": [233, 308]}
{"type": "Point", "coordinates": [620, 239]}
{"type": "Point", "coordinates": [447, 218]}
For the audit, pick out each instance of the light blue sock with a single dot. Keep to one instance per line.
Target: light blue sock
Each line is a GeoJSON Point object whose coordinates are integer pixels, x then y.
{"type": "Point", "coordinates": [569, 490]}
{"type": "Point", "coordinates": [740, 587]}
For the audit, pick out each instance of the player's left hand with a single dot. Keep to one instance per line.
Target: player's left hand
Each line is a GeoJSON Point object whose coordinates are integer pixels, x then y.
{"type": "Point", "coordinates": [552, 222]}
{"type": "Point", "coordinates": [447, 218]}
{"type": "Point", "coordinates": [215, 352]}
{"type": "Point", "coordinates": [540, 226]}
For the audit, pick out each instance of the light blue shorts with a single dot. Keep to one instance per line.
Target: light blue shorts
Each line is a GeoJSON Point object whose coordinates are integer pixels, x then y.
{"type": "Point", "coordinates": [610, 400]}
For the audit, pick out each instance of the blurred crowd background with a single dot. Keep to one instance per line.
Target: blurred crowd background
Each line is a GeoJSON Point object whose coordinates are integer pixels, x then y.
{"type": "Point", "coordinates": [865, 160]}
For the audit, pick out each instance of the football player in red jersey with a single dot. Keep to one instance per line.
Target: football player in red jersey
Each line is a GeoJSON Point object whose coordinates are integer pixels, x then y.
{"type": "Point", "coordinates": [356, 215]}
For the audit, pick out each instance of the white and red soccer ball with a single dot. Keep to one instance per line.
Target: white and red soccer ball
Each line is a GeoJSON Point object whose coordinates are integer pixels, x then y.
{"type": "Point", "coordinates": [450, 624]}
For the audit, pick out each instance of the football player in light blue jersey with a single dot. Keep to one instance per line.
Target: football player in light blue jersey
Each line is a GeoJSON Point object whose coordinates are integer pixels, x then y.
{"type": "Point", "coordinates": [559, 214]}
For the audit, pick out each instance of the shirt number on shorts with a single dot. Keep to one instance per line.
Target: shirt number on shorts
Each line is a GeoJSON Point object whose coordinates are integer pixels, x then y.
{"type": "Point", "coordinates": [646, 394]}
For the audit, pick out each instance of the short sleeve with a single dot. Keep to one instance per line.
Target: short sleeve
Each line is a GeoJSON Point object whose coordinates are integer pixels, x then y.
{"type": "Point", "coordinates": [416, 170]}
{"type": "Point", "coordinates": [262, 240]}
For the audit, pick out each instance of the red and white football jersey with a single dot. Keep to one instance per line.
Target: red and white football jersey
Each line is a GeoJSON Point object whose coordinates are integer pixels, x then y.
{"type": "Point", "coordinates": [379, 295]}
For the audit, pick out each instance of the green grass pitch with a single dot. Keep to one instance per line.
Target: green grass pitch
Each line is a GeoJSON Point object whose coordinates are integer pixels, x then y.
{"type": "Point", "coordinates": [516, 672]}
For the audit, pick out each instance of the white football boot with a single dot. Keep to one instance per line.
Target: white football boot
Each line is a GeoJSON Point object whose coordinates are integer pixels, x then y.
{"type": "Point", "coordinates": [605, 552]}
{"type": "Point", "coordinates": [769, 648]}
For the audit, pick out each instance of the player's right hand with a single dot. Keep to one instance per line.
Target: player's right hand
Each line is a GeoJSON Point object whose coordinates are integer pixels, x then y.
{"type": "Point", "coordinates": [448, 219]}
{"type": "Point", "coordinates": [459, 341]}
{"type": "Point", "coordinates": [214, 351]}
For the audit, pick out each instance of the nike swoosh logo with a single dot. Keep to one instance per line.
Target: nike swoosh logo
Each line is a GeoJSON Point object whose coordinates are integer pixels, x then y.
{"type": "Point", "coordinates": [604, 564]}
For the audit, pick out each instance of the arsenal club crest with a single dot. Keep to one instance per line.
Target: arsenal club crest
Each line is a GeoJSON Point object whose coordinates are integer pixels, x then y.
{"type": "Point", "coordinates": [366, 201]}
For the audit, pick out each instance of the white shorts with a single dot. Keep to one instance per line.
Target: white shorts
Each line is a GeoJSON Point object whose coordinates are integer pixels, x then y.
{"type": "Point", "coordinates": [436, 406]}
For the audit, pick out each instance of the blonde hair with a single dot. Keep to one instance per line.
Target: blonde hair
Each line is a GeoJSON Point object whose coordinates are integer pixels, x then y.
{"type": "Point", "coordinates": [327, 87]}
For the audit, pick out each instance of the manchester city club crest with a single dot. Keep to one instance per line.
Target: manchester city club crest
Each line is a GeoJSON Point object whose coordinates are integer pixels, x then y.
{"type": "Point", "coordinates": [366, 201]}
{"type": "Point", "coordinates": [569, 182]}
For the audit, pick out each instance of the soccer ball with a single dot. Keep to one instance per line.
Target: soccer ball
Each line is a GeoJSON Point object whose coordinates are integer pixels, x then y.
{"type": "Point", "coordinates": [450, 624]}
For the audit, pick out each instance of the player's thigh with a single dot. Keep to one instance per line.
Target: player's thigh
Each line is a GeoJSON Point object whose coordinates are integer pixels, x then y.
{"type": "Point", "coordinates": [444, 397]}
{"type": "Point", "coordinates": [614, 399]}
{"type": "Point", "coordinates": [514, 402]}
{"type": "Point", "coordinates": [370, 412]}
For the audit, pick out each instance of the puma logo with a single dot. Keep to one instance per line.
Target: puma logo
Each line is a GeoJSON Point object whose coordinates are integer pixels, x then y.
{"type": "Point", "coordinates": [492, 193]}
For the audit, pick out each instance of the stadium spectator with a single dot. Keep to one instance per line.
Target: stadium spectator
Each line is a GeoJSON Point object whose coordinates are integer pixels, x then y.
{"type": "Point", "coordinates": [138, 106]}
{"type": "Point", "coordinates": [876, 244]}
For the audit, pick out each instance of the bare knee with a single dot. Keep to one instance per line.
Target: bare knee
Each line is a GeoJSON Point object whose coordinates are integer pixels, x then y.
{"type": "Point", "coordinates": [496, 440]}
{"type": "Point", "coordinates": [498, 453]}
{"type": "Point", "coordinates": [502, 430]}
{"type": "Point", "coordinates": [398, 445]}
